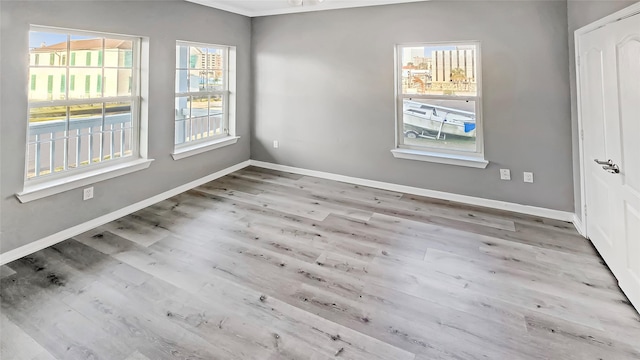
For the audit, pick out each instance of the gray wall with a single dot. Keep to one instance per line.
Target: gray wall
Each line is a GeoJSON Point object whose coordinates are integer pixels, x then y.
{"type": "Point", "coordinates": [163, 22]}
{"type": "Point", "coordinates": [325, 90]}
{"type": "Point", "coordinates": [581, 13]}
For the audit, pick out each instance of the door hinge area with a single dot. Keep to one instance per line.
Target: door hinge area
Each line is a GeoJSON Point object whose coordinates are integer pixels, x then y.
{"type": "Point", "coordinates": [582, 134]}
{"type": "Point", "coordinates": [585, 211]}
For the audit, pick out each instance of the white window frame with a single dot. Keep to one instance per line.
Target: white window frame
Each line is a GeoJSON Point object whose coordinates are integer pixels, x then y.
{"type": "Point", "coordinates": [437, 154]}
{"type": "Point", "coordinates": [228, 93]}
{"type": "Point", "coordinates": [70, 178]}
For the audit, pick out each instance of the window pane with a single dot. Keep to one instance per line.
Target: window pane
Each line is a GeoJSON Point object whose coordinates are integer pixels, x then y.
{"type": "Point", "coordinates": [182, 114]}
{"type": "Point", "coordinates": [199, 115]}
{"type": "Point", "coordinates": [128, 143]}
{"type": "Point", "coordinates": [187, 129]}
{"type": "Point", "coordinates": [117, 82]}
{"type": "Point", "coordinates": [74, 149]}
{"type": "Point", "coordinates": [45, 83]}
{"type": "Point", "coordinates": [190, 81]}
{"type": "Point", "coordinates": [182, 54]}
{"type": "Point", "coordinates": [445, 124]}
{"type": "Point", "coordinates": [85, 122]}
{"type": "Point", "coordinates": [182, 84]}
{"type": "Point", "coordinates": [85, 115]}
{"type": "Point", "coordinates": [200, 128]}
{"type": "Point", "coordinates": [115, 140]}
{"type": "Point", "coordinates": [118, 113]}
{"type": "Point", "coordinates": [180, 132]}
{"type": "Point", "coordinates": [199, 106]}
{"type": "Point", "coordinates": [47, 130]}
{"type": "Point", "coordinates": [215, 115]}
{"type": "Point", "coordinates": [197, 57]}
{"type": "Point", "coordinates": [85, 50]}
{"type": "Point", "coordinates": [215, 68]}
{"type": "Point", "coordinates": [84, 83]}
{"type": "Point", "coordinates": [111, 82]}
{"type": "Point", "coordinates": [47, 49]}
{"type": "Point", "coordinates": [118, 53]}
{"type": "Point", "coordinates": [214, 80]}
{"type": "Point", "coordinates": [63, 83]}
{"type": "Point", "coordinates": [215, 58]}
{"type": "Point", "coordinates": [47, 156]}
{"type": "Point", "coordinates": [182, 107]}
{"type": "Point", "coordinates": [95, 144]}
{"type": "Point", "coordinates": [440, 70]}
{"type": "Point", "coordinates": [197, 80]}
{"type": "Point", "coordinates": [128, 58]}
{"type": "Point", "coordinates": [99, 84]}
{"type": "Point", "coordinates": [48, 120]}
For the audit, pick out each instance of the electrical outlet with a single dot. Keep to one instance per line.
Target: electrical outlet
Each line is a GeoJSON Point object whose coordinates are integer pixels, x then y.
{"type": "Point", "coordinates": [528, 177]}
{"type": "Point", "coordinates": [505, 174]}
{"type": "Point", "coordinates": [276, 144]}
{"type": "Point", "coordinates": [87, 193]}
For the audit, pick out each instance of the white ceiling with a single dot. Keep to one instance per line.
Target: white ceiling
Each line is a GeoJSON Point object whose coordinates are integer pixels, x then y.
{"type": "Point", "coordinates": [275, 7]}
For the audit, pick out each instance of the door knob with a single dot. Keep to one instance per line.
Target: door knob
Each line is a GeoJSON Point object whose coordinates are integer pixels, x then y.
{"type": "Point", "coordinates": [601, 162]}
{"type": "Point", "coordinates": [613, 168]}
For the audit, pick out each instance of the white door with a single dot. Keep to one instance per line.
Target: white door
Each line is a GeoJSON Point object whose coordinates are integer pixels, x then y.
{"type": "Point", "coordinates": [610, 111]}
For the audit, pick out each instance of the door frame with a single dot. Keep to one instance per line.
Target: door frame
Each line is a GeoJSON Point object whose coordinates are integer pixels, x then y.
{"type": "Point", "coordinates": [581, 225]}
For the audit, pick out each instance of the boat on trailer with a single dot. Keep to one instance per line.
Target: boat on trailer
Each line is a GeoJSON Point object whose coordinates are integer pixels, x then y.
{"type": "Point", "coordinates": [435, 122]}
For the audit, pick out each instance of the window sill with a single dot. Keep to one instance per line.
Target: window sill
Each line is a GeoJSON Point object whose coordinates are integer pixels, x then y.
{"type": "Point", "coordinates": [44, 189]}
{"type": "Point", "coordinates": [450, 159]}
{"type": "Point", "coordinates": [191, 150]}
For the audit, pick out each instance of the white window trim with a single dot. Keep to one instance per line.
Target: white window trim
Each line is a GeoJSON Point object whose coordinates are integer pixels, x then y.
{"type": "Point", "coordinates": [434, 154]}
{"type": "Point", "coordinates": [199, 148]}
{"type": "Point", "coordinates": [56, 186]}
{"type": "Point", "coordinates": [441, 158]}
{"type": "Point", "coordinates": [191, 148]}
{"type": "Point", "coordinates": [55, 183]}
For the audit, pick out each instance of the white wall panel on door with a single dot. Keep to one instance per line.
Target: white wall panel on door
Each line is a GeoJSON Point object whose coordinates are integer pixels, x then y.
{"type": "Point", "coordinates": [610, 116]}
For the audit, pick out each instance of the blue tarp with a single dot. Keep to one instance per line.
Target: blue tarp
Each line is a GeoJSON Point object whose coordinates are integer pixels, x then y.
{"type": "Point", "coordinates": [469, 127]}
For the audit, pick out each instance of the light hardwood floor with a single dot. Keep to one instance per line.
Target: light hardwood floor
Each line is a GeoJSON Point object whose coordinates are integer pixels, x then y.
{"type": "Point", "coordinates": [270, 265]}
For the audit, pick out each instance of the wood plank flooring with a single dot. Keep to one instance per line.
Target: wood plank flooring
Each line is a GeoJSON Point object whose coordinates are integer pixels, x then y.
{"type": "Point", "coordinates": [270, 265]}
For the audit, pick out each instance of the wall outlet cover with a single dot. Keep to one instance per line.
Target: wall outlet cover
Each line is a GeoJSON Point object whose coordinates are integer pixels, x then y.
{"type": "Point", "coordinates": [505, 174]}
{"type": "Point", "coordinates": [87, 193]}
{"type": "Point", "coordinates": [528, 177]}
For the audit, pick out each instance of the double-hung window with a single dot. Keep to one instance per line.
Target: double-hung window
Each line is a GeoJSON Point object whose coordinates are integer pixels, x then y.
{"type": "Point", "coordinates": [84, 115]}
{"type": "Point", "coordinates": [204, 101]}
{"type": "Point", "coordinates": [438, 103]}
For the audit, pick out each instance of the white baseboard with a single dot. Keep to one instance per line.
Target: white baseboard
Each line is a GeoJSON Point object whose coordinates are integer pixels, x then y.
{"type": "Point", "coordinates": [38, 245]}
{"type": "Point", "coordinates": [470, 200]}
{"type": "Point", "coordinates": [579, 225]}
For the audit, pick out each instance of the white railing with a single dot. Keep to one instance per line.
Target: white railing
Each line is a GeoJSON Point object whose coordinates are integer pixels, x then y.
{"type": "Point", "coordinates": [46, 133]}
